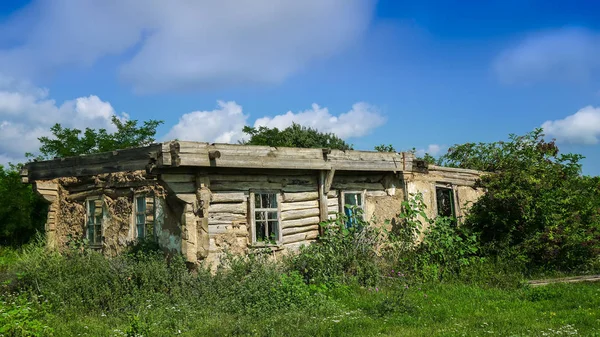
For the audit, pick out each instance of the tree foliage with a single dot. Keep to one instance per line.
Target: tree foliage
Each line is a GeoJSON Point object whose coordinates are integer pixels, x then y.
{"type": "Point", "coordinates": [66, 142]}
{"type": "Point", "coordinates": [22, 212]}
{"type": "Point", "coordinates": [294, 136]}
{"type": "Point", "coordinates": [538, 205]}
{"type": "Point", "coordinates": [385, 148]}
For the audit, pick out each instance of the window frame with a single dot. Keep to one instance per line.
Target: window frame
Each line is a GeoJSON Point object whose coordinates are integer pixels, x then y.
{"type": "Point", "coordinates": [252, 217]}
{"type": "Point", "coordinates": [136, 235]}
{"type": "Point", "coordinates": [342, 198]}
{"type": "Point", "coordinates": [453, 201]}
{"type": "Point", "coordinates": [97, 243]}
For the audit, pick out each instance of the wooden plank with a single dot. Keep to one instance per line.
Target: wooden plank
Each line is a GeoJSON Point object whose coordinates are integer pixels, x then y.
{"type": "Point", "coordinates": [329, 180]}
{"type": "Point", "coordinates": [227, 197]}
{"type": "Point", "coordinates": [287, 206]}
{"type": "Point", "coordinates": [322, 196]}
{"type": "Point", "coordinates": [296, 230]}
{"type": "Point", "coordinates": [300, 179]}
{"type": "Point", "coordinates": [358, 186]}
{"type": "Point", "coordinates": [376, 194]}
{"type": "Point", "coordinates": [226, 217]}
{"type": "Point", "coordinates": [235, 208]}
{"type": "Point", "coordinates": [178, 178]}
{"type": "Point", "coordinates": [302, 196]}
{"type": "Point", "coordinates": [301, 237]}
{"type": "Point", "coordinates": [333, 202]}
{"type": "Point", "coordinates": [246, 186]}
{"type": "Point", "coordinates": [304, 213]}
{"type": "Point", "coordinates": [300, 222]}
{"type": "Point", "coordinates": [187, 187]}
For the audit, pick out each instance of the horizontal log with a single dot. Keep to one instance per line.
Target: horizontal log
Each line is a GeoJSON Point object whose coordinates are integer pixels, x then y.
{"type": "Point", "coordinates": [246, 186]}
{"type": "Point", "coordinates": [298, 214]}
{"type": "Point", "coordinates": [230, 217]}
{"type": "Point", "coordinates": [300, 179]}
{"type": "Point", "coordinates": [357, 186]}
{"type": "Point", "coordinates": [332, 194]}
{"type": "Point", "coordinates": [303, 196]}
{"type": "Point", "coordinates": [300, 222]}
{"type": "Point", "coordinates": [376, 194]}
{"type": "Point", "coordinates": [178, 178]}
{"type": "Point", "coordinates": [301, 237]}
{"type": "Point", "coordinates": [227, 197]}
{"type": "Point", "coordinates": [333, 202]}
{"type": "Point", "coordinates": [333, 209]}
{"type": "Point", "coordinates": [219, 229]}
{"type": "Point", "coordinates": [236, 208]}
{"type": "Point", "coordinates": [296, 230]}
{"type": "Point", "coordinates": [287, 206]}
{"type": "Point", "coordinates": [295, 246]}
{"type": "Point", "coordinates": [183, 187]}
{"type": "Point", "coordinates": [366, 177]}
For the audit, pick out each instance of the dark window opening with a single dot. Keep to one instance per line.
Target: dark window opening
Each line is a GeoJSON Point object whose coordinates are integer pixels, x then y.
{"type": "Point", "coordinates": [445, 202]}
{"type": "Point", "coordinates": [266, 217]}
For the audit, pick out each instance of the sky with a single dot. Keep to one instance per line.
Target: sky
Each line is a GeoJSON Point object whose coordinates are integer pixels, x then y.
{"type": "Point", "coordinates": [414, 74]}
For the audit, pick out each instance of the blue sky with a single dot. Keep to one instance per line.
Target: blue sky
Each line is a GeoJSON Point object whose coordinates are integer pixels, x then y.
{"type": "Point", "coordinates": [423, 74]}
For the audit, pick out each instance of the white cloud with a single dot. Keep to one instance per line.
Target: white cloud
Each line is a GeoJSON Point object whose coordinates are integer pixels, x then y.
{"type": "Point", "coordinates": [222, 125]}
{"type": "Point", "coordinates": [225, 124]}
{"type": "Point", "coordinates": [359, 121]}
{"type": "Point", "coordinates": [172, 45]}
{"type": "Point", "coordinates": [565, 54]}
{"type": "Point", "coordinates": [583, 127]}
{"type": "Point", "coordinates": [26, 113]}
{"type": "Point", "coordinates": [432, 149]}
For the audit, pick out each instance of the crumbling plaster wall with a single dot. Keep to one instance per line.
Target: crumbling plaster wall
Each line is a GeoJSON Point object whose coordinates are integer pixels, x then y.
{"type": "Point", "coordinates": [67, 216]}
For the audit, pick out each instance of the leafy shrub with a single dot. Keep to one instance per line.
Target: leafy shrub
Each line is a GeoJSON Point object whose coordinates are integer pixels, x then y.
{"type": "Point", "coordinates": [343, 253]}
{"type": "Point", "coordinates": [23, 316]}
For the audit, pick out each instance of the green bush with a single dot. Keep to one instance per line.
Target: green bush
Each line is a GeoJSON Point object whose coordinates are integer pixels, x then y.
{"type": "Point", "coordinates": [343, 254]}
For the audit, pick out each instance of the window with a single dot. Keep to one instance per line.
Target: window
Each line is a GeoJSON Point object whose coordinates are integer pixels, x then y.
{"type": "Point", "coordinates": [445, 202]}
{"type": "Point", "coordinates": [144, 216]}
{"type": "Point", "coordinates": [95, 212]}
{"type": "Point", "coordinates": [266, 218]}
{"type": "Point", "coordinates": [353, 207]}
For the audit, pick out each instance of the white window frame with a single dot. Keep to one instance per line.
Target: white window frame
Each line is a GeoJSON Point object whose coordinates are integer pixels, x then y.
{"type": "Point", "coordinates": [87, 221]}
{"type": "Point", "coordinates": [135, 213]}
{"type": "Point", "coordinates": [252, 217]}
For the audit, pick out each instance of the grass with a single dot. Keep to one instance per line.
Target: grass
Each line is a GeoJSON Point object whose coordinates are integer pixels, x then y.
{"type": "Point", "coordinates": [434, 310]}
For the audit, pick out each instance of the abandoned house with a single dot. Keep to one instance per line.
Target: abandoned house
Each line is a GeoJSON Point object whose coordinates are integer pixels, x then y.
{"type": "Point", "coordinates": [203, 199]}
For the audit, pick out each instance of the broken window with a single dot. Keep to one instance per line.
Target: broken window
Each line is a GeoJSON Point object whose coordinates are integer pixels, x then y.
{"type": "Point", "coordinates": [95, 213]}
{"type": "Point", "coordinates": [445, 202]}
{"type": "Point", "coordinates": [266, 218]}
{"type": "Point", "coordinates": [144, 216]}
{"type": "Point", "coordinates": [353, 208]}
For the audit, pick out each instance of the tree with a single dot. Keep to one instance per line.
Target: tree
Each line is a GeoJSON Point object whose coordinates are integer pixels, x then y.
{"type": "Point", "coordinates": [66, 142]}
{"type": "Point", "coordinates": [385, 148]}
{"type": "Point", "coordinates": [294, 136]}
{"type": "Point", "coordinates": [22, 212]}
{"type": "Point", "coordinates": [537, 205]}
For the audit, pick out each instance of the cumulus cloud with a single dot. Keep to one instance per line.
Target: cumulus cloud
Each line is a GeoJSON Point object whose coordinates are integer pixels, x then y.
{"type": "Point", "coordinates": [563, 54]}
{"type": "Point", "coordinates": [221, 125]}
{"type": "Point", "coordinates": [582, 127]}
{"type": "Point", "coordinates": [432, 149]}
{"type": "Point", "coordinates": [225, 124]}
{"type": "Point", "coordinates": [27, 113]}
{"type": "Point", "coordinates": [357, 122]}
{"type": "Point", "coordinates": [174, 45]}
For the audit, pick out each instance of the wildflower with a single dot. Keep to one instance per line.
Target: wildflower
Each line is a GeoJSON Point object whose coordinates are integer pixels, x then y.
{"type": "Point", "coordinates": [376, 289]}
{"type": "Point", "coordinates": [425, 295]}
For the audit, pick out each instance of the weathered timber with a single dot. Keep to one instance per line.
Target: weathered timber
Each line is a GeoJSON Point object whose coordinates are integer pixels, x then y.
{"type": "Point", "coordinates": [235, 208]}
{"type": "Point", "coordinates": [182, 187]}
{"type": "Point", "coordinates": [296, 230]}
{"type": "Point", "coordinates": [304, 213]}
{"type": "Point", "coordinates": [357, 186]}
{"type": "Point", "coordinates": [107, 162]}
{"type": "Point", "coordinates": [300, 196]}
{"type": "Point", "coordinates": [300, 222]}
{"type": "Point", "coordinates": [300, 237]}
{"type": "Point", "coordinates": [287, 206]}
{"type": "Point", "coordinates": [245, 186]}
{"type": "Point", "coordinates": [376, 194]}
{"type": "Point", "coordinates": [178, 178]}
{"type": "Point", "coordinates": [228, 197]}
